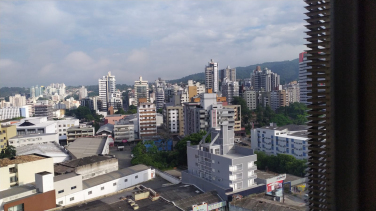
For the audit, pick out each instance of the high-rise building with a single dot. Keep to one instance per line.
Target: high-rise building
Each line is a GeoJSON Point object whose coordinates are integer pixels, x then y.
{"type": "Point", "coordinates": [37, 91]}
{"type": "Point", "coordinates": [107, 86]}
{"type": "Point", "coordinates": [304, 80]}
{"type": "Point", "coordinates": [82, 93]}
{"type": "Point", "coordinates": [173, 119]}
{"type": "Point", "coordinates": [17, 100]}
{"type": "Point", "coordinates": [43, 110]}
{"type": "Point", "coordinates": [293, 90]}
{"type": "Point", "coordinates": [250, 96]}
{"type": "Point", "coordinates": [160, 86]}
{"type": "Point", "coordinates": [147, 120]}
{"type": "Point", "coordinates": [265, 80]}
{"type": "Point", "coordinates": [141, 91]}
{"type": "Point", "coordinates": [32, 92]}
{"type": "Point", "coordinates": [211, 76]}
{"type": "Point", "coordinates": [278, 98]}
{"type": "Point", "coordinates": [230, 89]}
{"type": "Point", "coordinates": [227, 73]}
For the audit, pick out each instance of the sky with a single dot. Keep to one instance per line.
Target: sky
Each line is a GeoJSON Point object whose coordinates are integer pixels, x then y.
{"type": "Point", "coordinates": [78, 42]}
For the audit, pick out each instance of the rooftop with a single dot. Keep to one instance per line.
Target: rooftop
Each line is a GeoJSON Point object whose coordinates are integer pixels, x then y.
{"type": "Point", "coordinates": [34, 135]}
{"type": "Point", "coordinates": [178, 192]}
{"type": "Point", "coordinates": [16, 190]}
{"type": "Point", "coordinates": [20, 159]}
{"type": "Point", "coordinates": [265, 175]}
{"type": "Point", "coordinates": [262, 203]}
{"type": "Point", "coordinates": [87, 146]}
{"type": "Point", "coordinates": [64, 176]}
{"type": "Point", "coordinates": [49, 149]}
{"type": "Point", "coordinates": [208, 197]}
{"type": "Point", "coordinates": [115, 115]}
{"type": "Point", "coordinates": [113, 175]}
{"type": "Point", "coordinates": [69, 166]}
{"type": "Point", "coordinates": [107, 127]}
{"type": "Point", "coordinates": [288, 127]}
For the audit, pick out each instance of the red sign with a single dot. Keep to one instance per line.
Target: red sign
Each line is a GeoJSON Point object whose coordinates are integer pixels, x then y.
{"type": "Point", "coordinates": [274, 186]}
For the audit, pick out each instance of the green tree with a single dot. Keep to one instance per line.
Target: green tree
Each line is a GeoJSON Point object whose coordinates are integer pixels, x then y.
{"type": "Point", "coordinates": [120, 111]}
{"type": "Point", "coordinates": [281, 120]}
{"type": "Point", "coordinates": [8, 152]}
{"type": "Point", "coordinates": [160, 110]}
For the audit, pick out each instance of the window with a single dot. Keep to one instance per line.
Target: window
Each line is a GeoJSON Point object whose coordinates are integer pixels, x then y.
{"type": "Point", "coordinates": [13, 170]}
{"type": "Point", "coordinates": [71, 199]}
{"type": "Point", "coordinates": [90, 192]}
{"type": "Point", "coordinates": [114, 184]}
{"type": "Point", "coordinates": [239, 167]}
{"type": "Point", "coordinates": [239, 176]}
{"type": "Point", "coordinates": [74, 187]}
{"type": "Point", "coordinates": [19, 207]}
{"type": "Point", "coordinates": [60, 191]}
{"type": "Point", "coordinates": [136, 176]}
{"type": "Point", "coordinates": [102, 188]}
{"type": "Point", "coordinates": [60, 202]}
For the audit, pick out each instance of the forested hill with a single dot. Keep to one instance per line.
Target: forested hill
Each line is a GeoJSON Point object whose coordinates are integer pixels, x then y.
{"type": "Point", "coordinates": [288, 70]}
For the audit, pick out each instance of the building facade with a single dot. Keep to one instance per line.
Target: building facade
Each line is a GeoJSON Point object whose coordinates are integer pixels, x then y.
{"type": "Point", "coordinates": [229, 73]}
{"type": "Point", "coordinates": [6, 133]}
{"type": "Point", "coordinates": [141, 91]}
{"type": "Point", "coordinates": [265, 80]}
{"type": "Point", "coordinates": [17, 100]}
{"type": "Point", "coordinates": [304, 80]}
{"type": "Point", "coordinates": [9, 113]}
{"type": "Point", "coordinates": [31, 139]}
{"type": "Point", "coordinates": [273, 140]}
{"type": "Point", "coordinates": [82, 93]}
{"type": "Point", "coordinates": [79, 131]}
{"type": "Point", "coordinates": [211, 76]}
{"type": "Point", "coordinates": [147, 120]}
{"type": "Point", "coordinates": [173, 119]}
{"type": "Point", "coordinates": [230, 89]}
{"type": "Point", "coordinates": [107, 86]}
{"type": "Point", "coordinates": [250, 96]}
{"type": "Point", "coordinates": [124, 130]}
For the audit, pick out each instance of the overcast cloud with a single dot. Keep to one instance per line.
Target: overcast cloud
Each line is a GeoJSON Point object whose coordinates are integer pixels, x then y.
{"type": "Point", "coordinates": [77, 42]}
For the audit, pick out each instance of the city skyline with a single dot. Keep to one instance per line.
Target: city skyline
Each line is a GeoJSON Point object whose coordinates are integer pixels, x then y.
{"type": "Point", "coordinates": [66, 38]}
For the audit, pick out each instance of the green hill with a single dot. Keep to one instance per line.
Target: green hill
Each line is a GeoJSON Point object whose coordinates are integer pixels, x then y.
{"type": "Point", "coordinates": [288, 70]}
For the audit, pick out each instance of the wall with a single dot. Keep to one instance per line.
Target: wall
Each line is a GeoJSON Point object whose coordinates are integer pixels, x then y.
{"type": "Point", "coordinates": [109, 187]}
{"type": "Point", "coordinates": [37, 202]}
{"type": "Point", "coordinates": [34, 139]}
{"type": "Point", "coordinates": [26, 171]}
{"type": "Point", "coordinates": [66, 185]}
{"type": "Point", "coordinates": [4, 179]}
{"type": "Point", "coordinates": [167, 177]}
{"type": "Point", "coordinates": [98, 168]}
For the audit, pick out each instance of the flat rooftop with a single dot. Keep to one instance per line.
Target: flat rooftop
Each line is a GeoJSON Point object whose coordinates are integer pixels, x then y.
{"type": "Point", "coordinates": [209, 197]}
{"type": "Point", "coordinates": [288, 127]}
{"type": "Point", "coordinates": [262, 202]}
{"type": "Point", "coordinates": [265, 175]}
{"type": "Point", "coordinates": [113, 175]}
{"type": "Point", "coordinates": [69, 166]}
{"type": "Point", "coordinates": [34, 135]}
{"type": "Point", "coordinates": [16, 190]}
{"type": "Point", "coordinates": [178, 192]}
{"type": "Point", "coordinates": [64, 176]}
{"type": "Point", "coordinates": [20, 159]}
{"type": "Point", "coordinates": [85, 146]}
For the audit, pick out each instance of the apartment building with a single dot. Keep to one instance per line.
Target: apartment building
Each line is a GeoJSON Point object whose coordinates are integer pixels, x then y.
{"type": "Point", "coordinates": [17, 100]}
{"type": "Point", "coordinates": [173, 119]}
{"type": "Point", "coordinates": [107, 86]}
{"type": "Point", "coordinates": [250, 96]}
{"type": "Point", "coordinates": [124, 129]}
{"type": "Point", "coordinates": [36, 125]}
{"type": "Point", "coordinates": [194, 89]}
{"type": "Point", "coordinates": [6, 133]}
{"type": "Point", "coordinates": [41, 110]}
{"type": "Point", "coordinates": [141, 90]}
{"type": "Point", "coordinates": [289, 139]}
{"type": "Point", "coordinates": [221, 165]}
{"type": "Point", "coordinates": [211, 76]}
{"type": "Point", "coordinates": [63, 125]}
{"type": "Point", "coordinates": [278, 98]}
{"type": "Point", "coordinates": [237, 116]}
{"type": "Point", "coordinates": [147, 120]}
{"type": "Point", "coordinates": [265, 80]}
{"type": "Point", "coordinates": [82, 93]}
{"type": "Point", "coordinates": [20, 170]}
{"type": "Point", "coordinates": [81, 130]}
{"type": "Point", "coordinates": [229, 73]}
{"type": "Point", "coordinates": [9, 113]}
{"type": "Point", "coordinates": [230, 89]}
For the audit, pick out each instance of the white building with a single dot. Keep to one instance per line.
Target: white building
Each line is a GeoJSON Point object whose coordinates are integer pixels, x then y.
{"type": "Point", "coordinates": [63, 125]}
{"type": "Point", "coordinates": [35, 125]}
{"type": "Point", "coordinates": [293, 91]}
{"type": "Point", "coordinates": [230, 89]}
{"type": "Point", "coordinates": [107, 86]}
{"type": "Point", "coordinates": [289, 139]}
{"type": "Point", "coordinates": [9, 113]}
{"type": "Point", "coordinates": [52, 150]}
{"type": "Point", "coordinates": [265, 80]}
{"type": "Point", "coordinates": [82, 93]}
{"type": "Point", "coordinates": [147, 120]}
{"type": "Point", "coordinates": [304, 81]}
{"type": "Point", "coordinates": [211, 76]}
{"type": "Point", "coordinates": [17, 100]}
{"type": "Point", "coordinates": [31, 139]}
{"type": "Point", "coordinates": [24, 111]}
{"type": "Point", "coordinates": [70, 188]}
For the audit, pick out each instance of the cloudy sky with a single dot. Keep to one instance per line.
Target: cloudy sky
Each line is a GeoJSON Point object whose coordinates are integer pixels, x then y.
{"type": "Point", "coordinates": [77, 42]}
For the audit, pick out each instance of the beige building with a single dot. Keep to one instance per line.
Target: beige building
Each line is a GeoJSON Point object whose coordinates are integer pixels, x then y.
{"type": "Point", "coordinates": [6, 132]}
{"type": "Point", "coordinates": [237, 116]}
{"type": "Point", "coordinates": [79, 131]}
{"type": "Point", "coordinates": [21, 170]}
{"type": "Point", "coordinates": [173, 119]}
{"type": "Point", "coordinates": [147, 120]}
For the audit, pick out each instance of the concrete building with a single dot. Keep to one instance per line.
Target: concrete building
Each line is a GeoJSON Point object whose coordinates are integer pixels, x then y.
{"type": "Point", "coordinates": [265, 80]}
{"type": "Point", "coordinates": [194, 89]}
{"type": "Point", "coordinates": [160, 86]}
{"type": "Point", "coordinates": [82, 93]}
{"type": "Point", "coordinates": [20, 170]}
{"type": "Point", "coordinates": [237, 116]}
{"type": "Point", "coordinates": [107, 86]}
{"type": "Point", "coordinates": [52, 150]}
{"type": "Point", "coordinates": [250, 97]}
{"type": "Point", "coordinates": [124, 130]}
{"type": "Point", "coordinates": [24, 111]}
{"type": "Point", "coordinates": [289, 139]}
{"type": "Point", "coordinates": [147, 120]}
{"type": "Point", "coordinates": [105, 130]}
{"type": "Point", "coordinates": [17, 100]}
{"type": "Point", "coordinates": [112, 119]}
{"type": "Point", "coordinates": [293, 91]}
{"type": "Point", "coordinates": [36, 125]}
{"type": "Point", "coordinates": [304, 80]}
{"type": "Point", "coordinates": [221, 165]}
{"type": "Point", "coordinates": [211, 76]}
{"type": "Point", "coordinates": [41, 110]}
{"type": "Point", "coordinates": [278, 98]}
{"type": "Point", "coordinates": [63, 125]}
{"type": "Point", "coordinates": [230, 89]}
{"type": "Point", "coordinates": [141, 91]}
{"type": "Point", "coordinates": [71, 189]}
{"type": "Point", "coordinates": [6, 133]}
{"type": "Point", "coordinates": [79, 131]}
{"type": "Point", "coordinates": [87, 167]}
{"type": "Point", "coordinates": [85, 146]}
{"type": "Point", "coordinates": [31, 139]}
{"type": "Point", "coordinates": [195, 118]}
{"type": "Point", "coordinates": [263, 99]}
{"type": "Point", "coordinates": [93, 103]}
{"type": "Point", "coordinates": [173, 119]}
{"type": "Point", "coordinates": [227, 73]}
{"type": "Point", "coordinates": [115, 100]}
{"type": "Point", "coordinates": [9, 113]}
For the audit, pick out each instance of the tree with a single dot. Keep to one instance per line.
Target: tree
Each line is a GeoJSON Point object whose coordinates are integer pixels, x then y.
{"type": "Point", "coordinates": [8, 152]}
{"type": "Point", "coordinates": [281, 120]}
{"type": "Point", "coordinates": [160, 110]}
{"type": "Point", "coordinates": [120, 111]}
{"type": "Point", "coordinates": [132, 109]}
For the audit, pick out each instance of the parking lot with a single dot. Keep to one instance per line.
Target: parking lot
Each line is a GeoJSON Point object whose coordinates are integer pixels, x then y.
{"type": "Point", "coordinates": [124, 157]}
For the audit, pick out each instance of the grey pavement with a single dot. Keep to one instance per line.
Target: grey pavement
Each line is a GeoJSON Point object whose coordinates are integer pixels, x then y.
{"type": "Point", "coordinates": [124, 157]}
